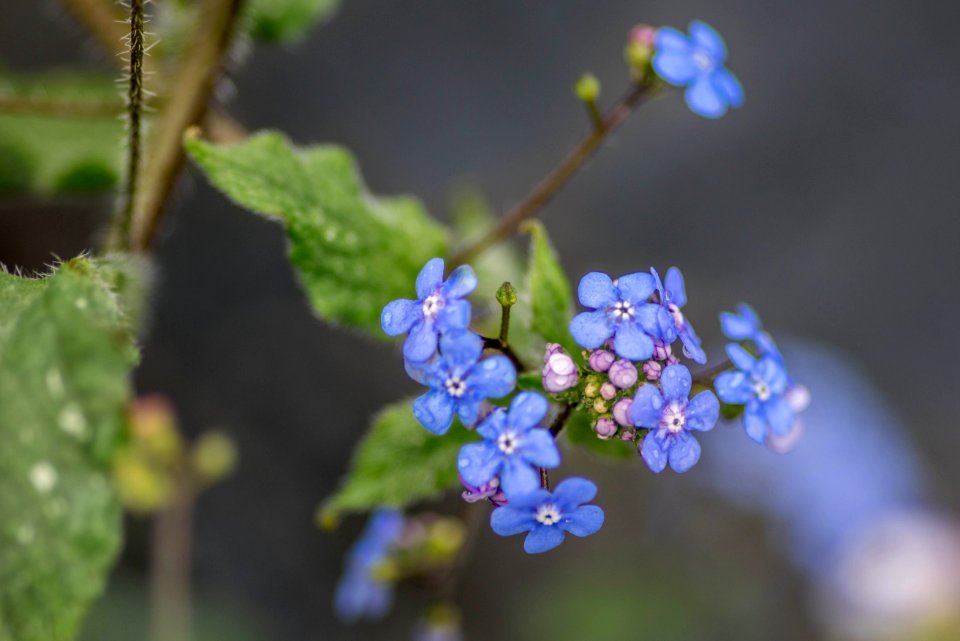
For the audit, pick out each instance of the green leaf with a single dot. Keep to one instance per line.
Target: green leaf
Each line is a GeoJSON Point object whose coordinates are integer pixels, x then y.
{"type": "Point", "coordinates": [397, 463]}
{"type": "Point", "coordinates": [550, 295]}
{"type": "Point", "coordinates": [352, 251]}
{"type": "Point", "coordinates": [286, 20]}
{"type": "Point", "coordinates": [65, 353]}
{"type": "Point", "coordinates": [579, 431]}
{"type": "Point", "coordinates": [61, 135]}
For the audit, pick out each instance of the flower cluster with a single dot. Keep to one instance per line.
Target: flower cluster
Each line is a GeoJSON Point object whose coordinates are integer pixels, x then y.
{"type": "Point", "coordinates": [770, 399]}
{"type": "Point", "coordinates": [362, 591]}
{"type": "Point", "coordinates": [634, 384]}
{"type": "Point", "coordinates": [505, 468]}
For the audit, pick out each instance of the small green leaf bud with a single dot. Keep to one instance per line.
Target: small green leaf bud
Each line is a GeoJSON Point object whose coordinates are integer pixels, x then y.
{"type": "Point", "coordinates": [214, 456]}
{"type": "Point", "coordinates": [507, 295]}
{"type": "Point", "coordinates": [587, 88]}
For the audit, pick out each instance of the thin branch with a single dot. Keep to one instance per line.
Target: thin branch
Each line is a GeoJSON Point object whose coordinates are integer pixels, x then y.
{"type": "Point", "coordinates": [561, 419]}
{"type": "Point", "coordinates": [101, 19]}
{"type": "Point", "coordinates": [171, 560]}
{"type": "Point", "coordinates": [120, 236]}
{"type": "Point", "coordinates": [557, 178]}
{"type": "Point", "coordinates": [705, 377]}
{"type": "Point", "coordinates": [194, 80]}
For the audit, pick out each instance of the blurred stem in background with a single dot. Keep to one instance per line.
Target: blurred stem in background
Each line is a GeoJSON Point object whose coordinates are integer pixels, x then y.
{"type": "Point", "coordinates": [171, 616]}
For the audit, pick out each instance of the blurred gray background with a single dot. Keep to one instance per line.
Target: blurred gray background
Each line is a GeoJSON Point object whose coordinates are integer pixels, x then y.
{"type": "Point", "coordinates": [829, 201]}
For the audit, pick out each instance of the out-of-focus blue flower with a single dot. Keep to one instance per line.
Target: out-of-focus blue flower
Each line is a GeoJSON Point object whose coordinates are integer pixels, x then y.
{"type": "Point", "coordinates": [548, 517]}
{"type": "Point", "coordinates": [745, 325]}
{"type": "Point", "coordinates": [440, 307]}
{"type": "Point", "coordinates": [697, 63]}
{"type": "Point", "coordinates": [360, 593]}
{"type": "Point", "coordinates": [760, 385]}
{"type": "Point", "coordinates": [620, 310]}
{"type": "Point", "coordinates": [670, 417]}
{"type": "Point", "coordinates": [673, 296]}
{"type": "Point", "coordinates": [459, 381]}
{"type": "Point", "coordinates": [513, 445]}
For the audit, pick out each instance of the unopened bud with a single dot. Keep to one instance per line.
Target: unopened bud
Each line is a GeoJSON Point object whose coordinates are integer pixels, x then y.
{"type": "Point", "coordinates": [600, 406]}
{"type": "Point", "coordinates": [587, 88]}
{"type": "Point", "coordinates": [652, 370]}
{"type": "Point", "coordinates": [639, 49]}
{"type": "Point", "coordinates": [623, 374]}
{"type": "Point", "coordinates": [507, 295]}
{"type": "Point", "coordinates": [559, 371]}
{"type": "Point", "coordinates": [592, 389]}
{"type": "Point", "coordinates": [661, 351]}
{"type": "Point", "coordinates": [490, 491]}
{"type": "Point", "coordinates": [628, 434]}
{"type": "Point", "coordinates": [604, 428]}
{"type": "Point", "coordinates": [213, 457]}
{"type": "Point", "coordinates": [601, 360]}
{"type": "Point", "coordinates": [621, 411]}
{"type": "Point", "coordinates": [608, 391]}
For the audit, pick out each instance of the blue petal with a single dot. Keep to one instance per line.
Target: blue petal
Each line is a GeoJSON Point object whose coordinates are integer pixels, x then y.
{"type": "Point", "coordinates": [423, 373]}
{"type": "Point", "coordinates": [460, 283]}
{"type": "Point", "coordinates": [691, 345]}
{"type": "Point", "coordinates": [704, 99]}
{"type": "Point", "coordinates": [468, 408]}
{"type": "Point", "coordinates": [478, 462]}
{"type": "Point", "coordinates": [647, 408]}
{"type": "Point", "coordinates": [772, 373]}
{"type": "Point", "coordinates": [575, 491]}
{"type": "Point", "coordinates": [530, 501]}
{"type": "Point", "coordinates": [399, 316]}
{"type": "Point", "coordinates": [675, 287]}
{"type": "Point", "coordinates": [461, 348]}
{"type": "Point", "coordinates": [632, 343]}
{"type": "Point", "coordinates": [591, 329]}
{"type": "Point", "coordinates": [493, 377]}
{"type": "Point", "coordinates": [740, 326]}
{"type": "Point", "coordinates": [518, 478]}
{"type": "Point", "coordinates": [507, 520]}
{"type": "Point", "coordinates": [729, 87]}
{"type": "Point", "coordinates": [653, 456]}
{"type": "Point", "coordinates": [543, 538]}
{"type": "Point", "coordinates": [754, 424]}
{"type": "Point", "coordinates": [584, 521]}
{"type": "Point", "coordinates": [455, 315]}
{"type": "Point", "coordinates": [707, 38]}
{"type": "Point", "coordinates": [596, 290]}
{"type": "Point", "coordinates": [539, 448]}
{"type": "Point", "coordinates": [780, 416]}
{"type": "Point", "coordinates": [527, 410]}
{"type": "Point", "coordinates": [685, 452]}
{"type": "Point", "coordinates": [676, 67]}
{"type": "Point", "coordinates": [494, 424]}
{"type": "Point", "coordinates": [670, 39]}
{"type": "Point", "coordinates": [434, 410]}
{"type": "Point", "coordinates": [430, 278]}
{"type": "Point", "coordinates": [656, 321]}
{"type": "Point", "coordinates": [421, 344]}
{"type": "Point", "coordinates": [741, 358]}
{"type": "Point", "coordinates": [733, 387]}
{"type": "Point", "coordinates": [636, 288]}
{"type": "Point", "coordinates": [675, 381]}
{"type": "Point", "coordinates": [703, 410]}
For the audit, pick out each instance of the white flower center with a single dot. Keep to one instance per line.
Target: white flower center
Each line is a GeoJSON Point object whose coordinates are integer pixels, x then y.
{"type": "Point", "coordinates": [548, 514]}
{"type": "Point", "coordinates": [455, 386]}
{"type": "Point", "coordinates": [432, 305]}
{"type": "Point", "coordinates": [622, 310]}
{"type": "Point", "coordinates": [762, 390]}
{"type": "Point", "coordinates": [677, 315]}
{"type": "Point", "coordinates": [508, 442]}
{"type": "Point", "coordinates": [703, 61]}
{"type": "Point", "coordinates": [674, 418]}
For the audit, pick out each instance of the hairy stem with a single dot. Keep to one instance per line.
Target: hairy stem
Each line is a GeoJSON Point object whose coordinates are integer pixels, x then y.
{"type": "Point", "coordinates": [171, 560]}
{"type": "Point", "coordinates": [541, 194]}
{"type": "Point", "coordinates": [121, 232]}
{"type": "Point", "coordinates": [194, 80]}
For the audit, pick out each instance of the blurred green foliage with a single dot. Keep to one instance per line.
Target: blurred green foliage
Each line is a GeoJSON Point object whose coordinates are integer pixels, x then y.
{"type": "Point", "coordinates": [282, 21]}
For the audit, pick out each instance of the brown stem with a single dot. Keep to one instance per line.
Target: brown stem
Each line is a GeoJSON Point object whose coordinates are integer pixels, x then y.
{"type": "Point", "coordinates": [194, 80]}
{"type": "Point", "coordinates": [705, 377]}
{"type": "Point", "coordinates": [171, 556]}
{"type": "Point", "coordinates": [500, 346]}
{"type": "Point", "coordinates": [101, 19]}
{"type": "Point", "coordinates": [544, 478]}
{"type": "Point", "coordinates": [561, 419]}
{"type": "Point", "coordinates": [557, 178]}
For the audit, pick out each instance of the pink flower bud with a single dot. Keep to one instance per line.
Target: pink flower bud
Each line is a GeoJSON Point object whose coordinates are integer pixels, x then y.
{"type": "Point", "coordinates": [628, 433]}
{"type": "Point", "coordinates": [559, 370]}
{"type": "Point", "coordinates": [643, 34]}
{"type": "Point", "coordinates": [608, 391]}
{"type": "Point", "coordinates": [623, 374]}
{"type": "Point", "coordinates": [601, 360]}
{"type": "Point", "coordinates": [652, 370]}
{"type": "Point", "coordinates": [605, 428]}
{"type": "Point", "coordinates": [621, 411]}
{"type": "Point", "coordinates": [489, 490]}
{"type": "Point", "coordinates": [661, 351]}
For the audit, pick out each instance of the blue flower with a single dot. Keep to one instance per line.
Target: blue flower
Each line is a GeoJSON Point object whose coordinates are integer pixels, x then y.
{"type": "Point", "coordinates": [512, 446]}
{"type": "Point", "coordinates": [745, 325]}
{"type": "Point", "coordinates": [760, 385]}
{"type": "Point", "coordinates": [673, 296]}
{"type": "Point", "coordinates": [670, 417]}
{"type": "Point", "coordinates": [697, 63]}
{"type": "Point", "coordinates": [360, 593]}
{"type": "Point", "coordinates": [459, 381]}
{"type": "Point", "coordinates": [440, 307]}
{"type": "Point", "coordinates": [620, 310]}
{"type": "Point", "coordinates": [548, 517]}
